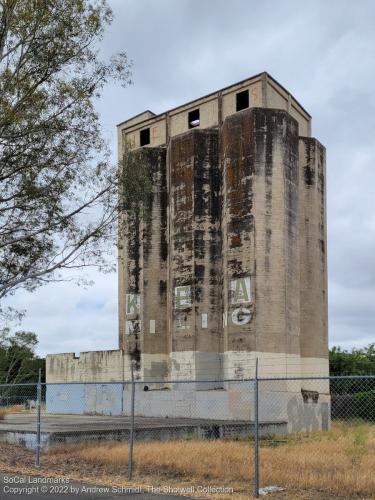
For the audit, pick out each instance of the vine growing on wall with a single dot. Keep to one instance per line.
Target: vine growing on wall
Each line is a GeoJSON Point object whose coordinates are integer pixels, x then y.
{"type": "Point", "coordinates": [136, 183]}
{"type": "Point", "coordinates": [135, 187]}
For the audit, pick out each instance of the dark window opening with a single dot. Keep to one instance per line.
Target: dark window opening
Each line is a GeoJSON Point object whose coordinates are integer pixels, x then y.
{"type": "Point", "coordinates": [242, 100]}
{"type": "Point", "coordinates": [144, 136]}
{"type": "Point", "coordinates": [193, 118]}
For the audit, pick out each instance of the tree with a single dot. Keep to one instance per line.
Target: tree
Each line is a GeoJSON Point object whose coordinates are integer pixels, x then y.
{"type": "Point", "coordinates": [18, 362]}
{"type": "Point", "coordinates": [18, 365]}
{"type": "Point", "coordinates": [353, 397]}
{"type": "Point", "coordinates": [58, 189]}
{"type": "Point", "coordinates": [354, 362]}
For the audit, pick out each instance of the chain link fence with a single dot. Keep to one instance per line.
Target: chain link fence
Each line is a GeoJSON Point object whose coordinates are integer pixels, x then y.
{"type": "Point", "coordinates": [244, 437]}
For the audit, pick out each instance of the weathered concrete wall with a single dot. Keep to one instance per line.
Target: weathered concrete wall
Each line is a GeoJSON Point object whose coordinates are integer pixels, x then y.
{"type": "Point", "coordinates": [154, 245]}
{"type": "Point", "coordinates": [278, 98]}
{"type": "Point", "coordinates": [264, 92]}
{"type": "Point", "coordinates": [158, 133]}
{"type": "Point", "coordinates": [260, 234]}
{"type": "Point", "coordinates": [143, 295]}
{"type": "Point", "coordinates": [195, 255]}
{"type": "Point", "coordinates": [300, 415]}
{"type": "Point", "coordinates": [100, 366]}
{"type": "Point", "coordinates": [281, 405]}
{"type": "Point", "coordinates": [208, 116]}
{"type": "Point", "coordinates": [313, 255]}
{"type": "Point", "coordinates": [255, 89]}
{"type": "Point", "coordinates": [238, 240]}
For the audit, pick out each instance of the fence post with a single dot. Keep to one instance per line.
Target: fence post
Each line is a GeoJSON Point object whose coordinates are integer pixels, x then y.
{"type": "Point", "coordinates": [256, 432]}
{"type": "Point", "coordinates": [38, 410]}
{"type": "Point", "coordinates": [131, 437]}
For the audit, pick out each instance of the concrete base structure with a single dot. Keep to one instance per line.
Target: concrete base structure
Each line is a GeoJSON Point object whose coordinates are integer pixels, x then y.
{"type": "Point", "coordinates": [114, 366]}
{"type": "Point", "coordinates": [279, 401]}
{"type": "Point", "coordinates": [303, 405]}
{"type": "Point", "coordinates": [59, 430]}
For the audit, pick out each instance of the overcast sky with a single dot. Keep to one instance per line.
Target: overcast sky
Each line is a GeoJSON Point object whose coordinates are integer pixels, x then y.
{"type": "Point", "coordinates": [323, 52]}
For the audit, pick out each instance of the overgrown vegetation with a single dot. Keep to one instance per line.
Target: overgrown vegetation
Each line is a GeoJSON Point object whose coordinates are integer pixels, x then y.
{"type": "Point", "coordinates": [358, 446]}
{"type": "Point", "coordinates": [354, 362]}
{"type": "Point", "coordinates": [354, 398]}
{"type": "Point", "coordinates": [310, 465]}
{"type": "Point", "coordinates": [4, 411]}
{"type": "Point", "coordinates": [341, 461]}
{"type": "Point", "coordinates": [18, 365]}
{"type": "Point", "coordinates": [18, 361]}
{"type": "Point", "coordinates": [136, 181]}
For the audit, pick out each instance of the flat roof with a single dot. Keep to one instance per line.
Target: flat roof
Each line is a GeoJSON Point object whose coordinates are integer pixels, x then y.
{"type": "Point", "coordinates": [211, 94]}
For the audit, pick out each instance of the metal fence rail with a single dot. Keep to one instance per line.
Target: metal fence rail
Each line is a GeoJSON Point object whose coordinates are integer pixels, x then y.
{"type": "Point", "coordinates": [288, 433]}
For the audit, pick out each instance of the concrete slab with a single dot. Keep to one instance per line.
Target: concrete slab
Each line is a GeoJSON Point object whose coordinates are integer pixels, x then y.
{"type": "Point", "coordinates": [65, 429]}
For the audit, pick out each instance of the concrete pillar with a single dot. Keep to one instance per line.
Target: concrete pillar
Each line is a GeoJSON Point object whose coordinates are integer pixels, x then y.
{"type": "Point", "coordinates": [260, 242]}
{"type": "Point", "coordinates": [195, 256]}
{"type": "Point", "coordinates": [143, 304]}
{"type": "Point", "coordinates": [155, 355]}
{"type": "Point", "coordinates": [313, 255]}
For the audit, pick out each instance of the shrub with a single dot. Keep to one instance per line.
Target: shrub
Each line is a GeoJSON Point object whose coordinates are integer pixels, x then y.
{"type": "Point", "coordinates": [364, 405]}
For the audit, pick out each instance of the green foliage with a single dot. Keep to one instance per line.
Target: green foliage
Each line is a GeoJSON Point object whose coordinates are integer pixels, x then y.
{"type": "Point", "coordinates": [18, 362]}
{"type": "Point", "coordinates": [364, 405]}
{"type": "Point", "coordinates": [136, 182]}
{"type": "Point", "coordinates": [58, 189]}
{"type": "Point", "coordinates": [354, 362]}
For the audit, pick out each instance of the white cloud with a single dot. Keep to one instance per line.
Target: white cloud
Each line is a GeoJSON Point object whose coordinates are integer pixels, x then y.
{"type": "Point", "coordinates": [323, 52]}
{"type": "Point", "coordinates": [68, 318]}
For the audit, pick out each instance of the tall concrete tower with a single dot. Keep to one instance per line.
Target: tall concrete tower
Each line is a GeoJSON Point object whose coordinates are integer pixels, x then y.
{"type": "Point", "coordinates": [226, 262]}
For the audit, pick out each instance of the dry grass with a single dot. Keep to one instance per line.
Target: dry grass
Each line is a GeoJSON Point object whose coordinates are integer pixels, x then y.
{"type": "Point", "coordinates": [315, 466]}
{"type": "Point", "coordinates": [195, 459]}
{"type": "Point", "coordinates": [340, 462]}
{"type": "Point", "coordinates": [4, 411]}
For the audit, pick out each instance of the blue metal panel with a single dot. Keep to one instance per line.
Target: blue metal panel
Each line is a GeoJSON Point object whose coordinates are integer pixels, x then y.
{"type": "Point", "coordinates": [103, 399]}
{"type": "Point", "coordinates": [65, 398]}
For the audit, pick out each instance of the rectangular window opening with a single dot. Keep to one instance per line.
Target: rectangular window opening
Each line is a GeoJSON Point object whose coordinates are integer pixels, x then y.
{"type": "Point", "coordinates": [144, 137]}
{"type": "Point", "coordinates": [193, 118]}
{"type": "Point", "coordinates": [242, 100]}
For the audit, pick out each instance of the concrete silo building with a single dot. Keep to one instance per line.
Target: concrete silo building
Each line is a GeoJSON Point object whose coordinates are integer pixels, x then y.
{"type": "Point", "coordinates": [227, 261]}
